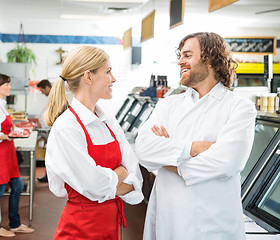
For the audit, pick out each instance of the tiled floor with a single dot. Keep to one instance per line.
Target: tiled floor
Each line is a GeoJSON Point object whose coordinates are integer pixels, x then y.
{"type": "Point", "coordinates": [47, 209]}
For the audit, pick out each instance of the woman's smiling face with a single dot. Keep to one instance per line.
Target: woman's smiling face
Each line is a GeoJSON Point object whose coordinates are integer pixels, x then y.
{"type": "Point", "coordinates": [5, 90]}
{"type": "Point", "coordinates": [103, 80]}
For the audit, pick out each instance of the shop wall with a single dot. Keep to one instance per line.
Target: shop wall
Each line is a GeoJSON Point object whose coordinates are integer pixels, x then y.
{"type": "Point", "coordinates": [158, 53]}
{"type": "Point", "coordinates": [48, 59]}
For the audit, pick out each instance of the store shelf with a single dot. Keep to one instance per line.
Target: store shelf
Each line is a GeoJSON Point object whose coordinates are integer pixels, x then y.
{"type": "Point", "coordinates": [268, 116]}
{"type": "Point", "coordinates": [256, 68]}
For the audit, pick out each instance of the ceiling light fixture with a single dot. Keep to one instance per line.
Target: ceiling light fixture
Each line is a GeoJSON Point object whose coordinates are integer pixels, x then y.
{"type": "Point", "coordinates": [107, 1]}
{"type": "Point", "coordinates": [82, 17]}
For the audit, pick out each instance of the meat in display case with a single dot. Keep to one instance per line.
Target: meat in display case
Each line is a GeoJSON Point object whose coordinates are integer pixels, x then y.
{"type": "Point", "coordinates": [261, 176]}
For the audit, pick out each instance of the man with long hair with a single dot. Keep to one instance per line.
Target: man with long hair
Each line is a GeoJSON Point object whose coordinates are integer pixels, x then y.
{"type": "Point", "coordinates": [199, 141]}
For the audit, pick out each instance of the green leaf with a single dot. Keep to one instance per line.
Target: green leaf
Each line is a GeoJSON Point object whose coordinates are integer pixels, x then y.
{"type": "Point", "coordinates": [21, 54]}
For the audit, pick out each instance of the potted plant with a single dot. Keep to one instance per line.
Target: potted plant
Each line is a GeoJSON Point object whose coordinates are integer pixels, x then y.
{"type": "Point", "coordinates": [21, 54]}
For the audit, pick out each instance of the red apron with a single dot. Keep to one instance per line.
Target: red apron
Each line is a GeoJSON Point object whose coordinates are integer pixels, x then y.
{"type": "Point", "coordinates": [84, 219]}
{"type": "Point", "coordinates": [8, 156]}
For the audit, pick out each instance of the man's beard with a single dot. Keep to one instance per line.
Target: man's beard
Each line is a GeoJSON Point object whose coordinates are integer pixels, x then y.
{"type": "Point", "coordinates": [198, 73]}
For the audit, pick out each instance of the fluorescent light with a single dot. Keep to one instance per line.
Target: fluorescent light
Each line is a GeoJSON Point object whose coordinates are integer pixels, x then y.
{"type": "Point", "coordinates": [87, 17]}
{"type": "Point", "coordinates": [108, 1]}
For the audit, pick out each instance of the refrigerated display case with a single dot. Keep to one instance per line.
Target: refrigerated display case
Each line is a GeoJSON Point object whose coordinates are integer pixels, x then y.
{"type": "Point", "coordinates": [134, 111]}
{"type": "Point", "coordinates": [265, 132]}
{"type": "Point", "coordinates": [261, 176]}
{"type": "Point", "coordinates": [256, 80]}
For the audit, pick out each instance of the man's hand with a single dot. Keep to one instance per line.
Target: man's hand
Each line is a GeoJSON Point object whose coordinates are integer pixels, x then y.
{"type": "Point", "coordinates": [199, 147]}
{"type": "Point", "coordinates": [161, 132]}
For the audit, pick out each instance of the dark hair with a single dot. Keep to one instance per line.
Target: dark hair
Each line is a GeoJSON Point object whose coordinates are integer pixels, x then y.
{"type": "Point", "coordinates": [4, 79]}
{"type": "Point", "coordinates": [44, 83]}
{"type": "Point", "coordinates": [214, 50]}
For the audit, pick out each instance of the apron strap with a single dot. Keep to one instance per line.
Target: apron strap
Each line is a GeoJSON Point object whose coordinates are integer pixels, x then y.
{"type": "Point", "coordinates": [112, 133]}
{"type": "Point", "coordinates": [3, 111]}
{"type": "Point", "coordinates": [82, 125]}
{"type": "Point", "coordinates": [84, 128]}
{"type": "Point", "coordinates": [121, 218]}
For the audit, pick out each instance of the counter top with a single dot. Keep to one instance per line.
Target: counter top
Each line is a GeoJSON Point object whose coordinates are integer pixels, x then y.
{"type": "Point", "coordinates": [27, 144]}
{"type": "Point", "coordinates": [268, 116]}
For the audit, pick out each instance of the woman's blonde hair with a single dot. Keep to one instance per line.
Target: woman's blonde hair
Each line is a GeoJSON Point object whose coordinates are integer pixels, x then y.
{"type": "Point", "coordinates": [74, 66]}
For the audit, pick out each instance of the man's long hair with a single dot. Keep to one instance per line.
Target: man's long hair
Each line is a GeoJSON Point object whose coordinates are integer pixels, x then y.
{"type": "Point", "coordinates": [214, 50]}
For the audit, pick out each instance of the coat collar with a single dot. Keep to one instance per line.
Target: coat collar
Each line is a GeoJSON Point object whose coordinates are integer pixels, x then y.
{"type": "Point", "coordinates": [218, 92]}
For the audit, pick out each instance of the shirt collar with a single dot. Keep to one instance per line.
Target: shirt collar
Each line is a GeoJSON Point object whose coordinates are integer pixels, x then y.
{"type": "Point", "coordinates": [192, 94]}
{"type": "Point", "coordinates": [85, 114]}
{"type": "Point", "coordinates": [3, 102]}
{"type": "Point", "coordinates": [218, 92]}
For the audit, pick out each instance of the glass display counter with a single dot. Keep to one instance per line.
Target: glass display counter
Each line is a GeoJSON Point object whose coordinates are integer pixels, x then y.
{"type": "Point", "coordinates": [261, 176]}
{"type": "Point", "coordinates": [28, 166]}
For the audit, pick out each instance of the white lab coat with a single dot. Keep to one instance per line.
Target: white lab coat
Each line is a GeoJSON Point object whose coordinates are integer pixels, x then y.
{"type": "Point", "coordinates": [68, 161]}
{"type": "Point", "coordinates": [203, 201]}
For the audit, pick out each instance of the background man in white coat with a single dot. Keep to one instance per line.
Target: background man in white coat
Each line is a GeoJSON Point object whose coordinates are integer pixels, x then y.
{"type": "Point", "coordinates": [45, 88]}
{"type": "Point", "coordinates": [199, 141]}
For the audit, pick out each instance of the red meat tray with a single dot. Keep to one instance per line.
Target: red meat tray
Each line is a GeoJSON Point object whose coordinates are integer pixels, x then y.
{"type": "Point", "coordinates": [35, 121]}
{"type": "Point", "coordinates": [25, 125]}
{"type": "Point", "coordinates": [20, 133]}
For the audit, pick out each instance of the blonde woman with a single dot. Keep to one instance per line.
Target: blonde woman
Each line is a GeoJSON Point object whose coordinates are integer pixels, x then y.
{"type": "Point", "coordinates": [88, 156]}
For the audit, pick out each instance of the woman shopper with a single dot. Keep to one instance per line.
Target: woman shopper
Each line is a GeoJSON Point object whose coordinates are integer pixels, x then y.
{"type": "Point", "coordinates": [9, 172]}
{"type": "Point", "coordinates": [88, 156]}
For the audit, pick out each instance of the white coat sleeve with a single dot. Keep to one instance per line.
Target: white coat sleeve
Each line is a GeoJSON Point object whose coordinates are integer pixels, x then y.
{"type": "Point", "coordinates": [154, 151]}
{"type": "Point", "coordinates": [67, 160]}
{"type": "Point", "coordinates": [229, 154]}
{"type": "Point", "coordinates": [130, 162]}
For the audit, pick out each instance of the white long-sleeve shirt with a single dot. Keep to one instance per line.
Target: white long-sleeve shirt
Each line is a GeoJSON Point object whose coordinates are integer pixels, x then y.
{"type": "Point", "coordinates": [67, 158]}
{"type": "Point", "coordinates": [203, 201]}
{"type": "Point", "coordinates": [3, 113]}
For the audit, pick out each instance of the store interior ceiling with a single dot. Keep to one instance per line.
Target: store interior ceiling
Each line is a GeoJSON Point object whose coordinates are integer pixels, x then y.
{"type": "Point", "coordinates": [250, 13]}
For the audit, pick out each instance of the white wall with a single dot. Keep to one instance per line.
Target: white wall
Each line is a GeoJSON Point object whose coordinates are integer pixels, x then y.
{"type": "Point", "coordinates": [158, 54]}
{"type": "Point", "coordinates": [47, 59]}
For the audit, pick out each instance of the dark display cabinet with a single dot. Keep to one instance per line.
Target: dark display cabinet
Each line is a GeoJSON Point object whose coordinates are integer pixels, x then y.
{"type": "Point", "coordinates": [261, 175]}
{"type": "Point", "coordinates": [257, 80]}
{"type": "Point", "coordinates": [134, 111]}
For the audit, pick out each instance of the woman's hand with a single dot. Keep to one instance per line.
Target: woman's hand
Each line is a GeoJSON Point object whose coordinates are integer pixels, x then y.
{"type": "Point", "coordinates": [161, 132]}
{"type": "Point", "coordinates": [124, 188]}
{"type": "Point", "coordinates": [122, 174]}
{"type": "Point", "coordinates": [172, 169]}
{"type": "Point", "coordinates": [5, 137]}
